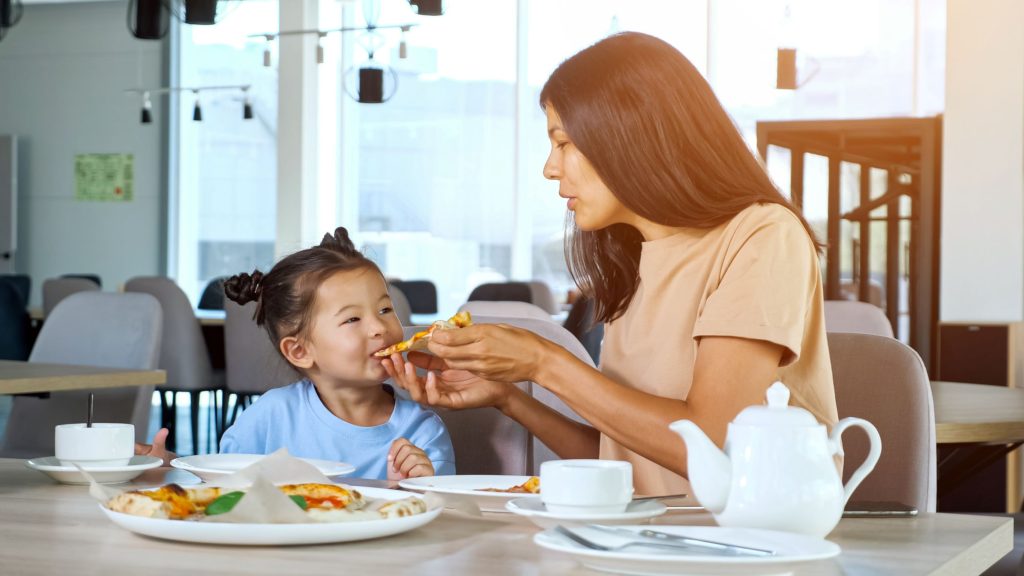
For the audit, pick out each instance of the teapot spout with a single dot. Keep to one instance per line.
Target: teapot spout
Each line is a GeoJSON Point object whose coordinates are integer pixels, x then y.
{"type": "Point", "coordinates": [709, 469]}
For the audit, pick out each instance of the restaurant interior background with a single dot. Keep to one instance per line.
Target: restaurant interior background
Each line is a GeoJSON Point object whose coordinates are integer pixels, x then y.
{"type": "Point", "coordinates": [443, 180]}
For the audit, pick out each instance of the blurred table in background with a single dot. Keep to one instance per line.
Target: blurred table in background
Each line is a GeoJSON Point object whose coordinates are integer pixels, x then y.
{"type": "Point", "coordinates": [33, 377]}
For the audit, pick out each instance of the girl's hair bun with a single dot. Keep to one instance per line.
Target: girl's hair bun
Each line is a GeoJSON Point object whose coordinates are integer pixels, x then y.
{"type": "Point", "coordinates": [339, 241]}
{"type": "Point", "coordinates": [244, 288]}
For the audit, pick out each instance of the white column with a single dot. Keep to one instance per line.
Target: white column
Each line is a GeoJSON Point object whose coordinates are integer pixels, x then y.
{"type": "Point", "coordinates": [296, 129]}
{"type": "Point", "coordinates": [982, 276]}
{"type": "Point", "coordinates": [522, 216]}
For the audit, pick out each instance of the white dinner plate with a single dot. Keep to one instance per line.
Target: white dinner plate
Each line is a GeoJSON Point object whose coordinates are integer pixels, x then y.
{"type": "Point", "coordinates": [52, 467]}
{"type": "Point", "coordinates": [277, 534]}
{"type": "Point", "coordinates": [790, 551]}
{"type": "Point", "coordinates": [535, 510]}
{"type": "Point", "coordinates": [211, 467]}
{"type": "Point", "coordinates": [471, 486]}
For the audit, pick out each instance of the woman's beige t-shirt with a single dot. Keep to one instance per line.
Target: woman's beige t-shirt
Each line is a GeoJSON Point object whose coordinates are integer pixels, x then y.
{"type": "Point", "coordinates": [754, 277]}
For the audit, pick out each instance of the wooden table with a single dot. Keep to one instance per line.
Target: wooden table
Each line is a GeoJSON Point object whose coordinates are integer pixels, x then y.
{"type": "Point", "coordinates": [977, 413]}
{"type": "Point", "coordinates": [47, 528]}
{"type": "Point", "coordinates": [982, 424]}
{"type": "Point", "coordinates": [29, 377]}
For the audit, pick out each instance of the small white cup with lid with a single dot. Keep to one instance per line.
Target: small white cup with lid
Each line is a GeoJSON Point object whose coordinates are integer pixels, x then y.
{"type": "Point", "coordinates": [586, 486]}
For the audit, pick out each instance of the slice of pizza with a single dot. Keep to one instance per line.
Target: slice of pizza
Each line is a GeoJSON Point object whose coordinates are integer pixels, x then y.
{"type": "Point", "coordinates": [170, 501]}
{"type": "Point", "coordinates": [419, 340]}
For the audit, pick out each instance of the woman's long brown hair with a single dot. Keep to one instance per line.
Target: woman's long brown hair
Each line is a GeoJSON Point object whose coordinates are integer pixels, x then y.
{"type": "Point", "coordinates": [658, 138]}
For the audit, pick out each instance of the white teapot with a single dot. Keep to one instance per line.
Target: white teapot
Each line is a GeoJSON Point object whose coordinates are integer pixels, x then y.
{"type": "Point", "coordinates": [777, 471]}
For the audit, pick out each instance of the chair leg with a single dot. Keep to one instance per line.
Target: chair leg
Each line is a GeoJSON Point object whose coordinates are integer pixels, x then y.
{"type": "Point", "coordinates": [195, 421]}
{"type": "Point", "coordinates": [172, 417]}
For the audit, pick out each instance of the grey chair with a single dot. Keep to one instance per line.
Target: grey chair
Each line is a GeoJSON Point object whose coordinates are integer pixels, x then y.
{"type": "Point", "coordinates": [57, 289]}
{"type": "Point", "coordinates": [488, 442]}
{"type": "Point", "coordinates": [505, 308]}
{"type": "Point", "coordinates": [94, 278]}
{"type": "Point", "coordinates": [213, 295]}
{"type": "Point", "coordinates": [90, 329]}
{"type": "Point", "coordinates": [22, 283]}
{"type": "Point", "coordinates": [508, 291]}
{"type": "Point", "coordinates": [253, 364]}
{"type": "Point", "coordinates": [422, 295]}
{"type": "Point", "coordinates": [580, 322]}
{"type": "Point", "coordinates": [884, 381]}
{"type": "Point", "coordinates": [542, 297]}
{"type": "Point", "coordinates": [15, 326]}
{"type": "Point", "coordinates": [401, 304]}
{"type": "Point", "coordinates": [183, 355]}
{"type": "Point", "coordinates": [856, 317]}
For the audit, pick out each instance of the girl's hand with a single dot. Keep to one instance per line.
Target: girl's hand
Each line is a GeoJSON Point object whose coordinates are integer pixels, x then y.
{"type": "Point", "coordinates": [493, 351]}
{"type": "Point", "coordinates": [407, 461]}
{"type": "Point", "coordinates": [157, 448]}
{"type": "Point", "coordinates": [454, 389]}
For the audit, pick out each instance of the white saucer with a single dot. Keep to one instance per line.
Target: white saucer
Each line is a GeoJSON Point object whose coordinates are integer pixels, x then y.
{"type": "Point", "coordinates": [535, 510]}
{"type": "Point", "coordinates": [211, 467]}
{"type": "Point", "coordinates": [791, 551]}
{"type": "Point", "coordinates": [52, 467]}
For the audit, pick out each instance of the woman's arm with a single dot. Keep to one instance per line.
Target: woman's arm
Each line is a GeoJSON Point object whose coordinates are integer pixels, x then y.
{"type": "Point", "coordinates": [729, 374]}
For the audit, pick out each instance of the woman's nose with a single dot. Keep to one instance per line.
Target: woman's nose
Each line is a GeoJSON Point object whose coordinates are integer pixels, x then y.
{"type": "Point", "coordinates": [551, 171]}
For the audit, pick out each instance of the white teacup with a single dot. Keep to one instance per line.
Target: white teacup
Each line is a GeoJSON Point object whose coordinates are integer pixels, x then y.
{"type": "Point", "coordinates": [586, 486]}
{"type": "Point", "coordinates": [102, 445]}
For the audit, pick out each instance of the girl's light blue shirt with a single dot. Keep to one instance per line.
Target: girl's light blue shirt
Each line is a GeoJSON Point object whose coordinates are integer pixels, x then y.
{"type": "Point", "coordinates": [295, 418]}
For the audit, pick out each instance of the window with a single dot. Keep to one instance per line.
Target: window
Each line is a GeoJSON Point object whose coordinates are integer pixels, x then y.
{"type": "Point", "coordinates": [227, 166]}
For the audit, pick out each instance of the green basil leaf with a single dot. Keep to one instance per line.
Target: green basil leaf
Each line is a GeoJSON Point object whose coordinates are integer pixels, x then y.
{"type": "Point", "coordinates": [224, 504]}
{"type": "Point", "coordinates": [300, 501]}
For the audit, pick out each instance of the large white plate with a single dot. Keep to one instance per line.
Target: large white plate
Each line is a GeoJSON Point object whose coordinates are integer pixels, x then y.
{"type": "Point", "coordinates": [471, 486]}
{"type": "Point", "coordinates": [52, 467]}
{"type": "Point", "coordinates": [211, 467]}
{"type": "Point", "coordinates": [535, 510]}
{"type": "Point", "coordinates": [277, 534]}
{"type": "Point", "coordinates": [790, 551]}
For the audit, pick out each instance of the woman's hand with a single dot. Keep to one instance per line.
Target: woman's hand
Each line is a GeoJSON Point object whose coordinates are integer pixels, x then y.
{"type": "Point", "coordinates": [454, 389]}
{"type": "Point", "coordinates": [158, 448]}
{"type": "Point", "coordinates": [492, 351]}
{"type": "Point", "coordinates": [405, 460]}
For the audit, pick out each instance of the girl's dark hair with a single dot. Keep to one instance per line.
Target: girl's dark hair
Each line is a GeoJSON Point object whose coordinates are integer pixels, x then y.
{"type": "Point", "coordinates": [658, 138]}
{"type": "Point", "coordinates": [285, 296]}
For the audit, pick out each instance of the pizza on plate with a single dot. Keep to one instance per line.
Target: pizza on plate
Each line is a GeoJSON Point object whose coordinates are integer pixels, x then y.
{"type": "Point", "coordinates": [322, 502]}
{"type": "Point", "coordinates": [531, 486]}
{"type": "Point", "coordinates": [419, 340]}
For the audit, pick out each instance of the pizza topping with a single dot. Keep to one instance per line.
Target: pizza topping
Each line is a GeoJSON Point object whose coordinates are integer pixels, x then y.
{"type": "Point", "coordinates": [531, 486]}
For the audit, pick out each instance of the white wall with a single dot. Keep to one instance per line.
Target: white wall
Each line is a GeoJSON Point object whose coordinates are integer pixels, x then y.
{"type": "Point", "coordinates": [63, 70]}
{"type": "Point", "coordinates": [983, 162]}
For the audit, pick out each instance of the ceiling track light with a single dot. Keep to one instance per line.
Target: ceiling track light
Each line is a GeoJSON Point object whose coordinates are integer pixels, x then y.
{"type": "Point", "coordinates": [197, 110]}
{"type": "Point", "coordinates": [376, 82]}
{"type": "Point", "coordinates": [147, 109]}
{"type": "Point", "coordinates": [246, 105]}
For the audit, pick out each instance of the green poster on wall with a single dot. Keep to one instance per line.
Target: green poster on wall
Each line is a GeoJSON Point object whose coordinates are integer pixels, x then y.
{"type": "Point", "coordinates": [104, 177]}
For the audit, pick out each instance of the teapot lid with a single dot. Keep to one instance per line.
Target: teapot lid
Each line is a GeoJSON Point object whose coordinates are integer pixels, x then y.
{"type": "Point", "coordinates": [778, 412]}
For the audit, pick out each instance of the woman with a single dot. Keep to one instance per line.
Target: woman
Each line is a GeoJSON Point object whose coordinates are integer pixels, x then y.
{"type": "Point", "coordinates": [706, 277]}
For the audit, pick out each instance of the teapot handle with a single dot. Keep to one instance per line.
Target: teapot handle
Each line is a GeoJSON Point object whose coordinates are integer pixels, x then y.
{"type": "Point", "coordinates": [873, 454]}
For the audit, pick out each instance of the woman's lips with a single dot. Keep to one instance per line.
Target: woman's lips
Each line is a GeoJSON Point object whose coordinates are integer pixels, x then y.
{"type": "Point", "coordinates": [571, 203]}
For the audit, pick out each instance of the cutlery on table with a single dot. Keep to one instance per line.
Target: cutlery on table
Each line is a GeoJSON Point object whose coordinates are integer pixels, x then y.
{"type": "Point", "coordinates": [694, 546]}
{"type": "Point", "coordinates": [648, 536]}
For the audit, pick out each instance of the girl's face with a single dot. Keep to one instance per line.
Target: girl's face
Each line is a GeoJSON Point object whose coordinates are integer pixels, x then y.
{"type": "Point", "coordinates": [593, 204]}
{"type": "Point", "coordinates": [352, 320]}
